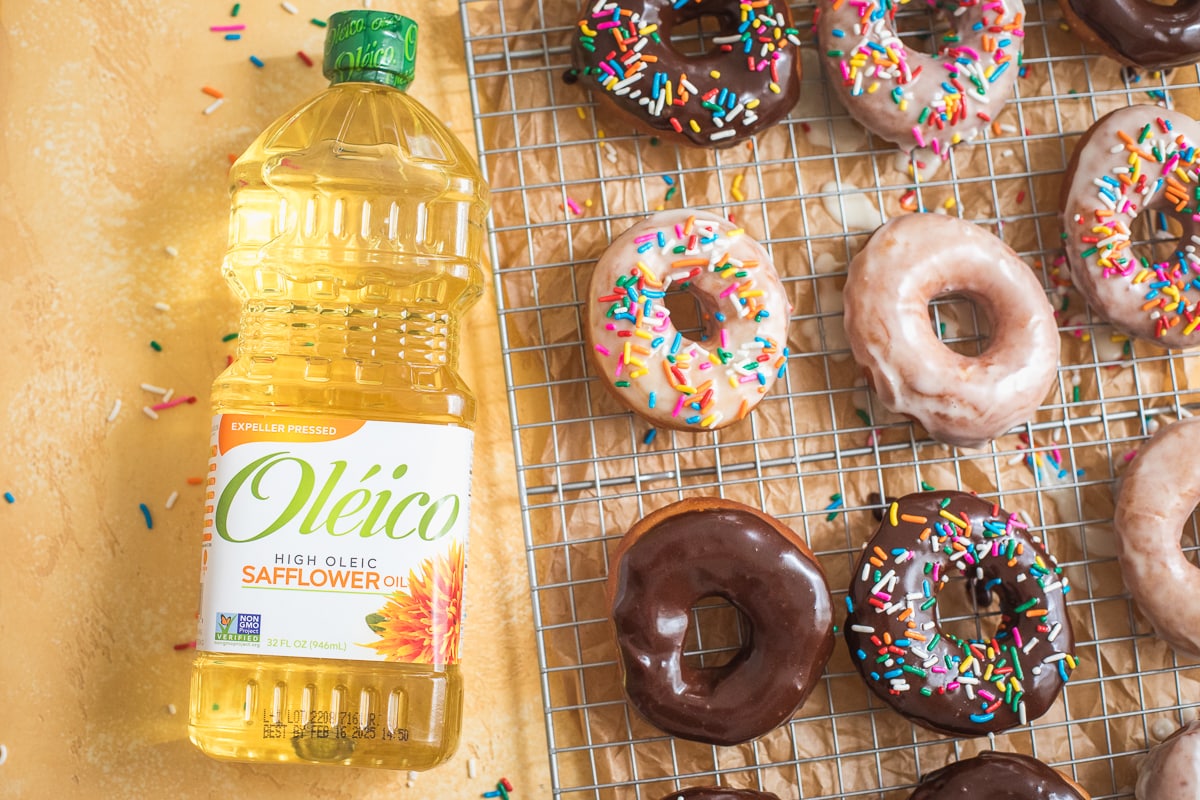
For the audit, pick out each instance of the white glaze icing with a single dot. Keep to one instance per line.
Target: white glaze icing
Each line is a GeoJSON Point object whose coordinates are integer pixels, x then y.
{"type": "Point", "coordinates": [853, 210]}
{"type": "Point", "coordinates": [1172, 769]}
{"type": "Point", "coordinates": [961, 400]}
{"type": "Point", "coordinates": [1156, 498]}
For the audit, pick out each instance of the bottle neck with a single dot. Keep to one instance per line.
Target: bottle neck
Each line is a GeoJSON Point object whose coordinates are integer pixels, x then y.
{"type": "Point", "coordinates": [376, 76]}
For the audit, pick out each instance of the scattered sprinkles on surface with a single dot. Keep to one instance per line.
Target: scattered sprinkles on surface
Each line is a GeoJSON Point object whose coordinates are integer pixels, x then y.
{"type": "Point", "coordinates": [145, 509]}
{"type": "Point", "coordinates": [835, 502]}
{"type": "Point", "coordinates": [503, 787]}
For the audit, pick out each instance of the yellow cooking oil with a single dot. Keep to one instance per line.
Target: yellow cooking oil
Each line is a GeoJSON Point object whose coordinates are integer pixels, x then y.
{"type": "Point", "coordinates": [335, 521]}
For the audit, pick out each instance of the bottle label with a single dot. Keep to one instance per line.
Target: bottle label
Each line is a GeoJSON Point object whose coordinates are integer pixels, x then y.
{"type": "Point", "coordinates": [335, 538]}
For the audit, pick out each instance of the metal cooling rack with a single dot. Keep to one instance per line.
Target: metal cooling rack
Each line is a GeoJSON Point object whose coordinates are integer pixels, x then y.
{"type": "Point", "coordinates": [585, 471]}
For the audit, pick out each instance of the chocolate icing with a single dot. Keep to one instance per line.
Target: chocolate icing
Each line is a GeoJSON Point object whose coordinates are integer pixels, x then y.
{"type": "Point", "coordinates": [749, 91]}
{"type": "Point", "coordinates": [893, 631]}
{"type": "Point", "coordinates": [997, 776]}
{"type": "Point", "coordinates": [719, 793]}
{"type": "Point", "coordinates": [709, 547]}
{"type": "Point", "coordinates": [1143, 33]}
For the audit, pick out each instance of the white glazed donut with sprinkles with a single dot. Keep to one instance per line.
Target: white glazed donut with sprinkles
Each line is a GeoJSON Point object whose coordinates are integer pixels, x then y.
{"type": "Point", "coordinates": [671, 380]}
{"type": "Point", "coordinates": [1009, 675]}
{"type": "Point", "coordinates": [913, 99]}
{"type": "Point", "coordinates": [1135, 161]}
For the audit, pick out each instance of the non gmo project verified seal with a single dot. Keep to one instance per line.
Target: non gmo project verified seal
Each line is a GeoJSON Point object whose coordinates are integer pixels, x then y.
{"type": "Point", "coordinates": [238, 627]}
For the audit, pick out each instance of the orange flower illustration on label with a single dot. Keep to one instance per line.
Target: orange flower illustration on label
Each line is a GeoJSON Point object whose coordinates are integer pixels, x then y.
{"type": "Point", "coordinates": [422, 625]}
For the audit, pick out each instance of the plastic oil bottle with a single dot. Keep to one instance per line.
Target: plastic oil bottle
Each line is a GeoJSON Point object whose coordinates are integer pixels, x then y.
{"type": "Point", "coordinates": [336, 515]}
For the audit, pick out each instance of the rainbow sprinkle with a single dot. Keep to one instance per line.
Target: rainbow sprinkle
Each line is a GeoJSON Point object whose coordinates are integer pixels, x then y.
{"type": "Point", "coordinates": [145, 509]}
{"type": "Point", "coordinates": [698, 103]}
{"type": "Point", "coordinates": [966, 84]}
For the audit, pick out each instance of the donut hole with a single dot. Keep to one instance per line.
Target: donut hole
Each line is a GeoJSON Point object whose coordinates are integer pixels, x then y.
{"type": "Point", "coordinates": [693, 38]}
{"type": "Point", "coordinates": [687, 313]}
{"type": "Point", "coordinates": [716, 633]}
{"type": "Point", "coordinates": [917, 23]}
{"type": "Point", "coordinates": [1156, 234]}
{"type": "Point", "coordinates": [1189, 541]}
{"type": "Point", "coordinates": [960, 323]}
{"type": "Point", "coordinates": [965, 611]}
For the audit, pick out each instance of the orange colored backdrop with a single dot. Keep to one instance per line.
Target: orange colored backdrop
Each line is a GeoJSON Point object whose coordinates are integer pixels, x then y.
{"type": "Point", "coordinates": [113, 214]}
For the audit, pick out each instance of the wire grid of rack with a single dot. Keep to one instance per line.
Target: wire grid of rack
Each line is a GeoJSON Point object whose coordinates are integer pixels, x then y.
{"type": "Point", "coordinates": [586, 470]}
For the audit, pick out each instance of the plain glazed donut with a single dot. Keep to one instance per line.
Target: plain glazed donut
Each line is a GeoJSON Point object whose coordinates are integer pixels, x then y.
{"type": "Point", "coordinates": [937, 680]}
{"type": "Point", "coordinates": [1171, 771]}
{"type": "Point", "coordinates": [653, 369]}
{"type": "Point", "coordinates": [913, 99]}
{"type": "Point", "coordinates": [1138, 33]}
{"type": "Point", "coordinates": [1125, 165]}
{"type": "Point", "coordinates": [719, 793]}
{"type": "Point", "coordinates": [1155, 501]}
{"type": "Point", "coordinates": [710, 547]}
{"type": "Point", "coordinates": [961, 400]}
{"type": "Point", "coordinates": [998, 776]}
{"type": "Point", "coordinates": [749, 80]}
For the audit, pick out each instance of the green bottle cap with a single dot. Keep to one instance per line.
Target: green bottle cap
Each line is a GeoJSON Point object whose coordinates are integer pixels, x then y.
{"type": "Point", "coordinates": [372, 46]}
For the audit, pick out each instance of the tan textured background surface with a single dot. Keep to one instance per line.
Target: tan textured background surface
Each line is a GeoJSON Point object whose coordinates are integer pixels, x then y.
{"type": "Point", "coordinates": [105, 161]}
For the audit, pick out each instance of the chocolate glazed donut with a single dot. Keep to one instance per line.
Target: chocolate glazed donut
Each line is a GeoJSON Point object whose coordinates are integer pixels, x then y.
{"type": "Point", "coordinates": [748, 81]}
{"type": "Point", "coordinates": [719, 793]}
{"type": "Point", "coordinates": [710, 547]}
{"type": "Point", "coordinates": [1138, 33]}
{"type": "Point", "coordinates": [951, 685]}
{"type": "Point", "coordinates": [998, 776]}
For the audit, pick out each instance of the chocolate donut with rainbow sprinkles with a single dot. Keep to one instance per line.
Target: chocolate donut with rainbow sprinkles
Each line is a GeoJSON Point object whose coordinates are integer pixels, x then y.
{"type": "Point", "coordinates": [917, 100]}
{"type": "Point", "coordinates": [971, 686]}
{"type": "Point", "coordinates": [749, 79]}
{"type": "Point", "coordinates": [1133, 161]}
{"type": "Point", "coordinates": [671, 380]}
